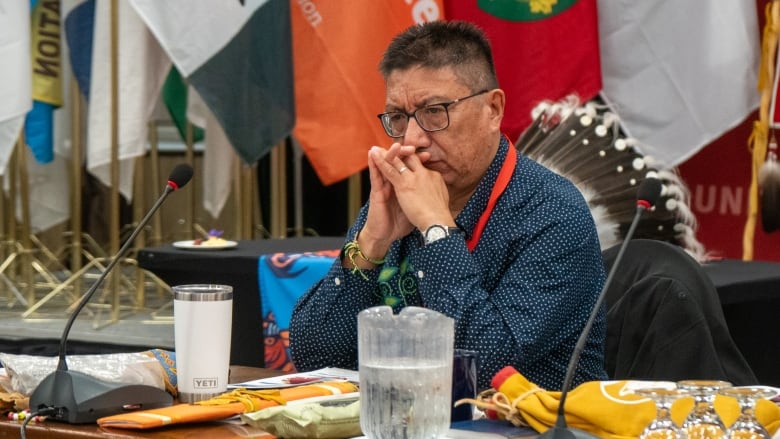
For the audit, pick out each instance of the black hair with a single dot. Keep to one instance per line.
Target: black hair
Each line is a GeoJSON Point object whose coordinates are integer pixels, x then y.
{"type": "Point", "coordinates": [437, 44]}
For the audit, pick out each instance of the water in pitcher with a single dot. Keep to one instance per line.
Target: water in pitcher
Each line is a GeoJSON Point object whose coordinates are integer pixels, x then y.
{"type": "Point", "coordinates": [404, 400]}
{"type": "Point", "coordinates": [405, 372]}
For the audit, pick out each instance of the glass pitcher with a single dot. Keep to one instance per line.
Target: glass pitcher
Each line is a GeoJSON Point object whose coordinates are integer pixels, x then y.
{"type": "Point", "coordinates": [405, 372]}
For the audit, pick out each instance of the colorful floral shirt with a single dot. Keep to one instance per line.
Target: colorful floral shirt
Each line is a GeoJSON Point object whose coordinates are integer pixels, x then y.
{"type": "Point", "coordinates": [521, 298]}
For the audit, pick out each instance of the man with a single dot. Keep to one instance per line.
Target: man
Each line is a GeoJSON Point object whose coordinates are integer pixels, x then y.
{"type": "Point", "coordinates": [459, 223]}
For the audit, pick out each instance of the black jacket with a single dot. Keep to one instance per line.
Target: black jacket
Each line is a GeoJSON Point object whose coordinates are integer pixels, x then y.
{"type": "Point", "coordinates": [665, 320]}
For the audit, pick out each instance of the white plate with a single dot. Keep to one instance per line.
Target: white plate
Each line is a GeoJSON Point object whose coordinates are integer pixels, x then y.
{"type": "Point", "coordinates": [190, 245]}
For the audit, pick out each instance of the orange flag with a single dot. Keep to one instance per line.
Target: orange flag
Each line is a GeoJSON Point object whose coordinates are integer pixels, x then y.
{"type": "Point", "coordinates": [337, 46]}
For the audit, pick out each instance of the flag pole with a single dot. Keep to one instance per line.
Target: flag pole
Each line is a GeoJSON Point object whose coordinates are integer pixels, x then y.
{"type": "Point", "coordinates": [298, 187]}
{"type": "Point", "coordinates": [75, 178]}
{"type": "Point", "coordinates": [189, 134]}
{"type": "Point", "coordinates": [757, 143]}
{"type": "Point", "coordinates": [9, 201]}
{"type": "Point", "coordinates": [24, 198]}
{"type": "Point", "coordinates": [278, 191]}
{"type": "Point", "coordinates": [256, 224]}
{"type": "Point", "coordinates": [3, 231]}
{"type": "Point", "coordinates": [12, 223]}
{"type": "Point", "coordinates": [247, 205]}
{"type": "Point", "coordinates": [353, 197]}
{"type": "Point", "coordinates": [154, 154]}
{"type": "Point", "coordinates": [235, 165]}
{"type": "Point", "coordinates": [114, 109]}
{"type": "Point", "coordinates": [139, 177]}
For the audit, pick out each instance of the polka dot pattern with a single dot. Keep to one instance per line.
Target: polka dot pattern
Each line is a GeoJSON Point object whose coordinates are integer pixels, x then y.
{"type": "Point", "coordinates": [521, 298]}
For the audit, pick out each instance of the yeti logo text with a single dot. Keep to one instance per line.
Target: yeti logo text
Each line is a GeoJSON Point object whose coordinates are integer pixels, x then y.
{"type": "Point", "coordinates": [205, 383]}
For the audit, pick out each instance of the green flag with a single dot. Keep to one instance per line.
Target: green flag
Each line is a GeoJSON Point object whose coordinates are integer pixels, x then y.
{"type": "Point", "coordinates": [175, 97]}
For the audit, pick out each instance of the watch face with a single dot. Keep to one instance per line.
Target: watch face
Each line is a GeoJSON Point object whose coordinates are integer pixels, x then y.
{"type": "Point", "coordinates": [435, 233]}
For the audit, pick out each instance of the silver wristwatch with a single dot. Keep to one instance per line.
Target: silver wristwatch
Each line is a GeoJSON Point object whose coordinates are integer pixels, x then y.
{"type": "Point", "coordinates": [438, 231]}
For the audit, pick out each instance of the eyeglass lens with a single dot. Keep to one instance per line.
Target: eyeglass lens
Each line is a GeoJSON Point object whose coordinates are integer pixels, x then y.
{"type": "Point", "coordinates": [432, 118]}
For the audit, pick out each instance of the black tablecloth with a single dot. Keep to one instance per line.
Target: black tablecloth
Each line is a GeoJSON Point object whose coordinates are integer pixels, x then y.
{"type": "Point", "coordinates": [749, 293]}
{"type": "Point", "coordinates": [236, 267]}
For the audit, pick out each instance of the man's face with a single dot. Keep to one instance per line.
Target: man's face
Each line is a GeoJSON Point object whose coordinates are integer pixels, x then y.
{"type": "Point", "coordinates": [463, 151]}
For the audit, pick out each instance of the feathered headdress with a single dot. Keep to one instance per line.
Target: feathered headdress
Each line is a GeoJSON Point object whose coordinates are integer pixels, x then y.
{"type": "Point", "coordinates": [586, 145]}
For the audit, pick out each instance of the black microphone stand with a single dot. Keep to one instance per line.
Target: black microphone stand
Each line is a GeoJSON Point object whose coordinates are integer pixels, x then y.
{"type": "Point", "coordinates": [77, 398]}
{"type": "Point", "coordinates": [649, 190]}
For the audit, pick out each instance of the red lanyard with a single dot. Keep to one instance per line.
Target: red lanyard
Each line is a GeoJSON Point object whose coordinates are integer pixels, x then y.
{"type": "Point", "coordinates": [498, 188]}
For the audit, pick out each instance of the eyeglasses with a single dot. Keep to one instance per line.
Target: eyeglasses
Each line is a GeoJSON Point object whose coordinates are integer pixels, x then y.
{"type": "Point", "coordinates": [430, 118]}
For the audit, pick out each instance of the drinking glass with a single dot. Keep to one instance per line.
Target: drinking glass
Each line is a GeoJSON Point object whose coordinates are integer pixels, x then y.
{"type": "Point", "coordinates": [703, 422]}
{"type": "Point", "coordinates": [746, 426]}
{"type": "Point", "coordinates": [662, 427]}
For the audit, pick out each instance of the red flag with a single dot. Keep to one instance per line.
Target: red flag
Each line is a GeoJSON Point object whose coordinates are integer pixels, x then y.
{"type": "Point", "coordinates": [543, 50]}
{"type": "Point", "coordinates": [337, 46]}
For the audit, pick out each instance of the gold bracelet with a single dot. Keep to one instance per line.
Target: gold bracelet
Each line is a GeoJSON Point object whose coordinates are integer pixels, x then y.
{"type": "Point", "coordinates": [351, 249]}
{"type": "Point", "coordinates": [367, 259]}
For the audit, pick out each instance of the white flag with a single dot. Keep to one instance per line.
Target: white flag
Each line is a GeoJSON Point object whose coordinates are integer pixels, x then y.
{"type": "Point", "coordinates": [15, 77]}
{"type": "Point", "coordinates": [219, 157]}
{"type": "Point", "coordinates": [237, 55]}
{"type": "Point", "coordinates": [142, 68]}
{"type": "Point", "coordinates": [679, 73]}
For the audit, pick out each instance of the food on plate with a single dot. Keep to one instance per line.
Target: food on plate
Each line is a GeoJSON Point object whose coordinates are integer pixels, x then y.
{"type": "Point", "coordinates": [214, 239]}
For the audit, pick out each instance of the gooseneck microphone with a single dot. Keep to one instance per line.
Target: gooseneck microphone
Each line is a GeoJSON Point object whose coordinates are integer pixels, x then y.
{"type": "Point", "coordinates": [647, 196]}
{"type": "Point", "coordinates": [77, 398]}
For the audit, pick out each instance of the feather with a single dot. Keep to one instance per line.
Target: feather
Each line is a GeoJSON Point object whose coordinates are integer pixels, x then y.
{"type": "Point", "coordinates": [586, 145]}
{"type": "Point", "coordinates": [769, 189]}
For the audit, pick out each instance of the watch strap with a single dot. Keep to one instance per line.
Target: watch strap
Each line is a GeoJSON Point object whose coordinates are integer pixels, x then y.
{"type": "Point", "coordinates": [437, 231]}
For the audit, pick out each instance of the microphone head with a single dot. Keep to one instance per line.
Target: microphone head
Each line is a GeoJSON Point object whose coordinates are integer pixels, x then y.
{"type": "Point", "coordinates": [649, 192]}
{"type": "Point", "coordinates": [180, 176]}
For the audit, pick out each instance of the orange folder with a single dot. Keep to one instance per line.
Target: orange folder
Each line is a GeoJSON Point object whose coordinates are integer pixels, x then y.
{"type": "Point", "coordinates": [221, 407]}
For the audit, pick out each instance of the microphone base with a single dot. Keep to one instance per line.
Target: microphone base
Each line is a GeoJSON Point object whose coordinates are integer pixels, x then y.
{"type": "Point", "coordinates": [78, 398]}
{"type": "Point", "coordinates": [566, 433]}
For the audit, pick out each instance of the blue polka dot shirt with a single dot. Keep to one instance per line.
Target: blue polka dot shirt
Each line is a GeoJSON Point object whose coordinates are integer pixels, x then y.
{"type": "Point", "coordinates": [521, 298]}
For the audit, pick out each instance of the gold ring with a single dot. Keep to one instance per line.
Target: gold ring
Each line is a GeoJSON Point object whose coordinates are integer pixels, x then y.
{"type": "Point", "coordinates": [403, 168]}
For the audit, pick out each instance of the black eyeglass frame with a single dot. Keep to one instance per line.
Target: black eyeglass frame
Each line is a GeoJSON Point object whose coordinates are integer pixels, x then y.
{"type": "Point", "coordinates": [385, 116]}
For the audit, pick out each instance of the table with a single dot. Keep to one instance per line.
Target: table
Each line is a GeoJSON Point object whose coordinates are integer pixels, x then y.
{"type": "Point", "coordinates": [237, 267]}
{"type": "Point", "coordinates": [206, 430]}
{"type": "Point", "coordinates": [750, 296]}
